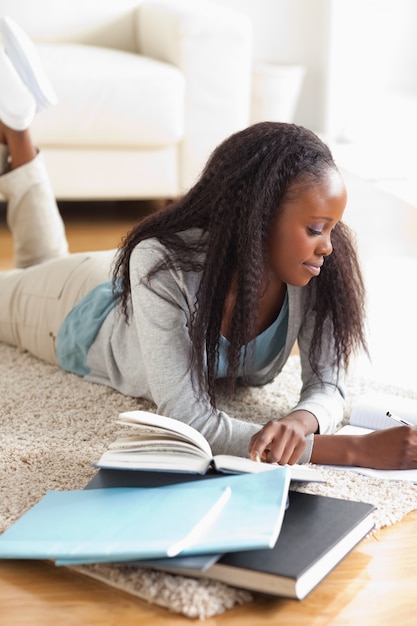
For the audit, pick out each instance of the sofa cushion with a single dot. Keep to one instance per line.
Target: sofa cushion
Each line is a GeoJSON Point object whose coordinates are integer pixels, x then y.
{"type": "Point", "coordinates": [110, 98]}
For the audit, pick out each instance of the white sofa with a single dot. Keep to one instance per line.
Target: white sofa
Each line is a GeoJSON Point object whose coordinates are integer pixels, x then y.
{"type": "Point", "coordinates": [146, 90]}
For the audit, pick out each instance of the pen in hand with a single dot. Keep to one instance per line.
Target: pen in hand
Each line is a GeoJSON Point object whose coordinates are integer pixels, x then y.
{"type": "Point", "coordinates": [398, 419]}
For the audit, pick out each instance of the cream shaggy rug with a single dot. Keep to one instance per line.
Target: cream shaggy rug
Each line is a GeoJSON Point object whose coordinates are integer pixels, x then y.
{"type": "Point", "coordinates": [54, 426]}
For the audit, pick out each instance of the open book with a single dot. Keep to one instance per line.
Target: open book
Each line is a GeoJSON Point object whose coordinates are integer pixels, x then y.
{"type": "Point", "coordinates": [159, 443]}
{"type": "Point", "coordinates": [376, 411]}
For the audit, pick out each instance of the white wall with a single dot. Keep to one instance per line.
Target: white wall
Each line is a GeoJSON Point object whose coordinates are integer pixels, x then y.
{"type": "Point", "coordinates": [293, 32]}
{"type": "Point", "coordinates": [358, 53]}
{"type": "Point", "coordinates": [372, 84]}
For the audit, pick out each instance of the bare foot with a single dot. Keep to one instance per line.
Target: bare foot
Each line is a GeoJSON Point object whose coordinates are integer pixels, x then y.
{"type": "Point", "coordinates": [19, 142]}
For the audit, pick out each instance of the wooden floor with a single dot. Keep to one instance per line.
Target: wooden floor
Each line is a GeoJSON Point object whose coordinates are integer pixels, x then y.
{"type": "Point", "coordinates": [375, 585]}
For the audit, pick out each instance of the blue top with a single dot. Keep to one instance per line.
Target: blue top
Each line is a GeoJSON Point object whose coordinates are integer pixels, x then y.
{"type": "Point", "coordinates": [80, 327]}
{"type": "Point", "coordinates": [261, 350]}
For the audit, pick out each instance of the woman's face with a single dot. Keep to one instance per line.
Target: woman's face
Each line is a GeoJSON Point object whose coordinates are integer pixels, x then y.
{"type": "Point", "coordinates": [301, 235]}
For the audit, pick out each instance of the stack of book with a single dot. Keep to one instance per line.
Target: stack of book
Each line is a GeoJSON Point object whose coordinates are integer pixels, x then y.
{"type": "Point", "coordinates": [160, 500]}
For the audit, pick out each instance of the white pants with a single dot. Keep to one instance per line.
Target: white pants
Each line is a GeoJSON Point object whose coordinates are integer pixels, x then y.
{"type": "Point", "coordinates": [48, 281]}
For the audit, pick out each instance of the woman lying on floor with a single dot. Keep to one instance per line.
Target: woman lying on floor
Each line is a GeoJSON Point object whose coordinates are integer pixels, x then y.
{"type": "Point", "coordinates": [221, 284]}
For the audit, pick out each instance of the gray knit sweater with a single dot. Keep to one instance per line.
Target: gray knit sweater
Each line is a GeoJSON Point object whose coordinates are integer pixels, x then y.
{"type": "Point", "coordinates": [149, 357]}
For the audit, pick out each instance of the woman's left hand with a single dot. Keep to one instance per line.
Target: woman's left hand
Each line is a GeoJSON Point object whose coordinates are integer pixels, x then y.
{"type": "Point", "coordinates": [283, 441]}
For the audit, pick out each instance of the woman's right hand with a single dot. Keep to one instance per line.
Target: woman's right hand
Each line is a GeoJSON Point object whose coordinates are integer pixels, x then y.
{"type": "Point", "coordinates": [391, 449]}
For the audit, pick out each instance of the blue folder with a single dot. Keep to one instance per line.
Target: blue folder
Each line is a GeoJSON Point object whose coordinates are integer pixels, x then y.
{"type": "Point", "coordinates": [127, 523]}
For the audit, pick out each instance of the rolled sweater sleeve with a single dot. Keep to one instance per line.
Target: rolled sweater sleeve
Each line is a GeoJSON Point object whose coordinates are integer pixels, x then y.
{"type": "Point", "coordinates": [323, 392]}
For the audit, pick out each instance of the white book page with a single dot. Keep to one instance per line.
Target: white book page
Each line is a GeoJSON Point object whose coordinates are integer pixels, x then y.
{"type": "Point", "coordinates": [354, 430]}
{"type": "Point", "coordinates": [241, 465]}
{"type": "Point", "coordinates": [142, 444]}
{"type": "Point", "coordinates": [142, 432]}
{"type": "Point", "coordinates": [408, 475]}
{"type": "Point", "coordinates": [167, 423]}
{"type": "Point", "coordinates": [149, 441]}
{"type": "Point", "coordinates": [155, 462]}
{"type": "Point", "coordinates": [370, 411]}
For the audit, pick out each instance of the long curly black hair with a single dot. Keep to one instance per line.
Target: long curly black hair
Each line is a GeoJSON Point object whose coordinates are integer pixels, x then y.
{"type": "Point", "coordinates": [235, 201]}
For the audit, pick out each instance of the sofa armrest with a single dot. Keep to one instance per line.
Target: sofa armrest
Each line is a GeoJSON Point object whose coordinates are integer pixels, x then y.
{"type": "Point", "coordinates": [212, 46]}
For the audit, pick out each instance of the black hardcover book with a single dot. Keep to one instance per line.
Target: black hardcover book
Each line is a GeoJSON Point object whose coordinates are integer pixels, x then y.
{"type": "Point", "coordinates": [317, 533]}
